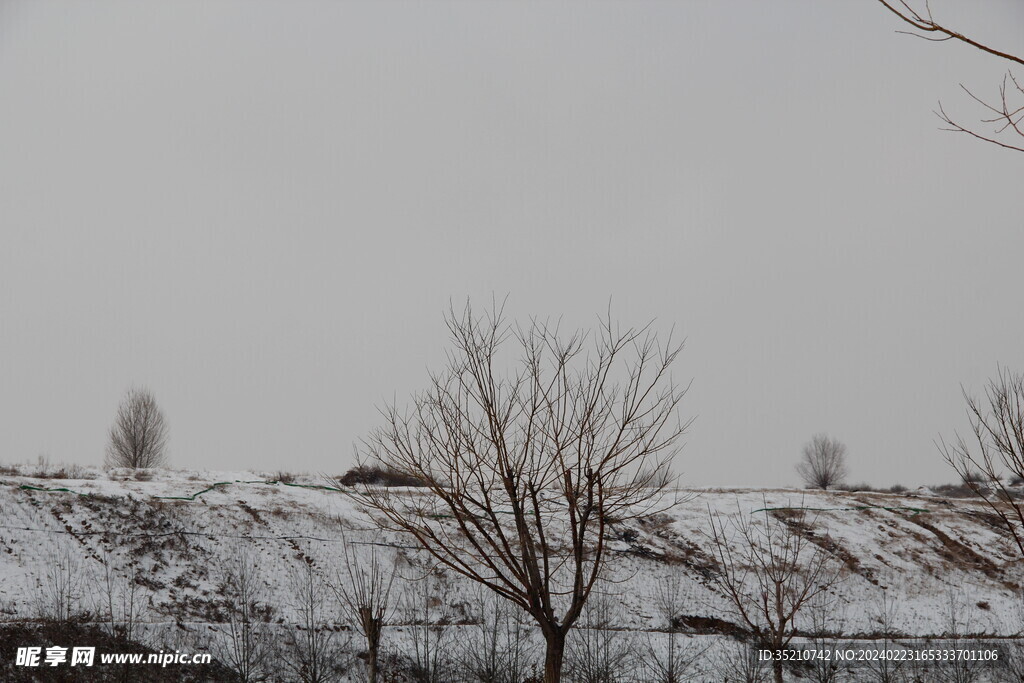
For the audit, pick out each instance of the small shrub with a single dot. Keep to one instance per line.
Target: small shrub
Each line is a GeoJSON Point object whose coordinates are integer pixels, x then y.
{"type": "Point", "coordinates": [897, 488]}
{"type": "Point", "coordinates": [285, 477]}
{"type": "Point", "coordinates": [862, 487]}
{"type": "Point", "coordinates": [375, 475]}
{"type": "Point", "coordinates": [973, 477]}
{"type": "Point", "coordinates": [954, 491]}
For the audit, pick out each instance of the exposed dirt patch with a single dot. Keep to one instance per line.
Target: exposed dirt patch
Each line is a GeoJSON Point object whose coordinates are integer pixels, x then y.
{"type": "Point", "coordinates": [252, 512]}
{"type": "Point", "coordinates": [958, 554]}
{"type": "Point", "coordinates": [692, 623]}
{"type": "Point", "coordinates": [797, 522]}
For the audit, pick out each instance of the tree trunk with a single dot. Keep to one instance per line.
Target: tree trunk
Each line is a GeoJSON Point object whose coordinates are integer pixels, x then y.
{"type": "Point", "coordinates": [371, 663]}
{"type": "Point", "coordinates": [553, 656]}
{"type": "Point", "coordinates": [777, 647]}
{"type": "Point", "coordinates": [371, 628]}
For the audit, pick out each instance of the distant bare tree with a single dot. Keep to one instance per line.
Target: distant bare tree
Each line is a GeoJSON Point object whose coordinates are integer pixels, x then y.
{"type": "Point", "coordinates": [526, 460]}
{"type": "Point", "coordinates": [1005, 112]}
{"type": "Point", "coordinates": [139, 435]}
{"type": "Point", "coordinates": [768, 571]}
{"type": "Point", "coordinates": [363, 587]}
{"type": "Point", "coordinates": [823, 463]}
{"type": "Point", "coordinates": [995, 450]}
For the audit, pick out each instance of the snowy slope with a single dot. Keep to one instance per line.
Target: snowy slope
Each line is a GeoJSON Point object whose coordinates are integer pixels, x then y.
{"type": "Point", "coordinates": [921, 553]}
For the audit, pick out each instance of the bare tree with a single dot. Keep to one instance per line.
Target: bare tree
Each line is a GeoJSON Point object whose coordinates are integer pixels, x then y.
{"type": "Point", "coordinates": [120, 599]}
{"type": "Point", "coordinates": [741, 663]}
{"type": "Point", "coordinates": [1005, 112]}
{"type": "Point", "coordinates": [673, 663]}
{"type": "Point", "coordinates": [823, 463]}
{"type": "Point", "coordinates": [426, 613]}
{"type": "Point", "coordinates": [120, 603]}
{"type": "Point", "coordinates": [139, 435]}
{"type": "Point", "coordinates": [598, 652]}
{"type": "Point", "coordinates": [827, 618]}
{"type": "Point", "coordinates": [768, 571]}
{"type": "Point", "coordinates": [499, 651]}
{"type": "Point", "coordinates": [883, 612]}
{"type": "Point", "coordinates": [996, 448]}
{"type": "Point", "coordinates": [959, 630]}
{"type": "Point", "coordinates": [243, 641]}
{"type": "Point", "coordinates": [313, 649]}
{"type": "Point", "coordinates": [63, 586]}
{"type": "Point", "coordinates": [527, 460]}
{"type": "Point", "coordinates": [363, 587]}
{"type": "Point", "coordinates": [1011, 650]}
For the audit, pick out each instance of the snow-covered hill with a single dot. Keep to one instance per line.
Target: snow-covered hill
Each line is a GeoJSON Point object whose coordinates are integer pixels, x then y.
{"type": "Point", "coordinates": [924, 559]}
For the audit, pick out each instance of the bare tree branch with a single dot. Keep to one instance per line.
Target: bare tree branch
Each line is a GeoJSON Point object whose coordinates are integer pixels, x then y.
{"type": "Point", "coordinates": [996, 451]}
{"type": "Point", "coordinates": [1008, 116]}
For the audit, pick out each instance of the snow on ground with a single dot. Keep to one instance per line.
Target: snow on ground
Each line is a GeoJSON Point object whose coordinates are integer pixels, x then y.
{"type": "Point", "coordinates": [922, 554]}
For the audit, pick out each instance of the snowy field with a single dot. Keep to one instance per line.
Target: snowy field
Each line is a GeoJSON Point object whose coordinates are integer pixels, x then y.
{"type": "Point", "coordinates": [916, 565]}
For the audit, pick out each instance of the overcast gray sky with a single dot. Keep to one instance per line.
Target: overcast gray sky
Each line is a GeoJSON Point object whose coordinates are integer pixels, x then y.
{"type": "Point", "coordinates": [259, 210]}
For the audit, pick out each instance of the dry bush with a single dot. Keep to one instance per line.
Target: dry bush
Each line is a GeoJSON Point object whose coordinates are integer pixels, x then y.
{"type": "Point", "coordinates": [960, 490]}
{"type": "Point", "coordinates": [378, 475]}
{"type": "Point", "coordinates": [862, 487]}
{"type": "Point", "coordinates": [827, 617]}
{"type": "Point", "coordinates": [285, 477]}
